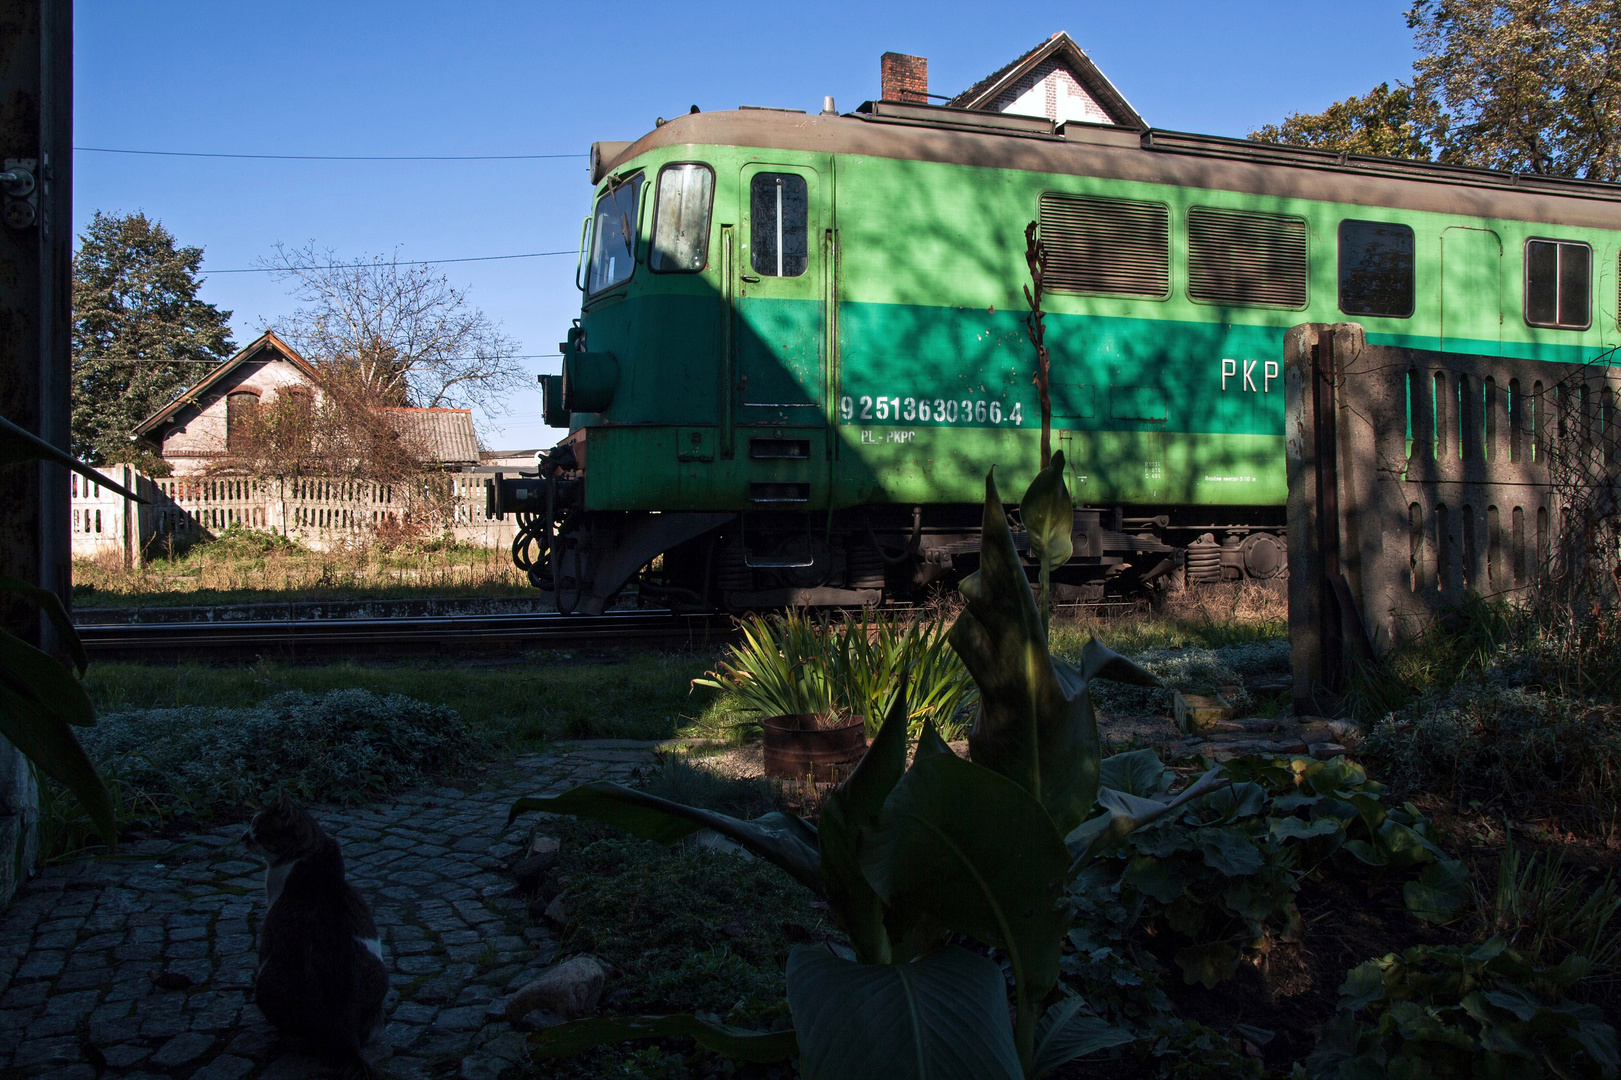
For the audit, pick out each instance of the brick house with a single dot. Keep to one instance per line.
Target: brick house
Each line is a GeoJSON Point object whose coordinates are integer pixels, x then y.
{"type": "Point", "coordinates": [1056, 79]}
{"type": "Point", "coordinates": [197, 431]}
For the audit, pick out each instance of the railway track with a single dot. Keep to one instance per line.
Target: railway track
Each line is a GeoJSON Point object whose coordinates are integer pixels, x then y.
{"type": "Point", "coordinates": [448, 635]}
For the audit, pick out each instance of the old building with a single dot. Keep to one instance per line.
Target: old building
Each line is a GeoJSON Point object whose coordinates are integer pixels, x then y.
{"type": "Point", "coordinates": [198, 432]}
{"type": "Point", "coordinates": [1056, 79]}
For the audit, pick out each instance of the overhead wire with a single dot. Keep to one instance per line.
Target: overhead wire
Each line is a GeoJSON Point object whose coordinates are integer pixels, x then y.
{"type": "Point", "coordinates": [388, 262]}
{"type": "Point", "coordinates": [328, 157]}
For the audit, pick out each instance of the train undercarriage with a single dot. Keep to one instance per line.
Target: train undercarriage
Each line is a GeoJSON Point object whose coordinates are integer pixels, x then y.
{"type": "Point", "coordinates": [785, 556]}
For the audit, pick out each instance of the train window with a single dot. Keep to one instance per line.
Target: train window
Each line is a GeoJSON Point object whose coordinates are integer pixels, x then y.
{"type": "Point", "coordinates": [1247, 258]}
{"type": "Point", "coordinates": [1106, 245]}
{"type": "Point", "coordinates": [1558, 284]}
{"type": "Point", "coordinates": [613, 236]}
{"type": "Point", "coordinates": [681, 219]}
{"type": "Point", "coordinates": [1376, 269]}
{"type": "Point", "coordinates": [779, 224]}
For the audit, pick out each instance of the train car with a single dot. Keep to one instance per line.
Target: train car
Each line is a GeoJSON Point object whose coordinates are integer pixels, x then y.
{"type": "Point", "coordinates": [802, 342]}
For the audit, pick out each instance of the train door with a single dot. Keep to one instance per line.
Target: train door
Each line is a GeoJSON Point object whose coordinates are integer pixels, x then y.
{"type": "Point", "coordinates": [1471, 290]}
{"type": "Point", "coordinates": [781, 340]}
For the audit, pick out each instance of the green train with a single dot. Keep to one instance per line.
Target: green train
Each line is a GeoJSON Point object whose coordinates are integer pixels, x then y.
{"type": "Point", "coordinates": [802, 342]}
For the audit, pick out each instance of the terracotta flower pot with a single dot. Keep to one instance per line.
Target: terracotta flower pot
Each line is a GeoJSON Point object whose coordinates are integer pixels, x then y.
{"type": "Point", "coordinates": [812, 744]}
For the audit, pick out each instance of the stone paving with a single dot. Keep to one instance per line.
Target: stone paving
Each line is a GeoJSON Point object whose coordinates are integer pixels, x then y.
{"type": "Point", "coordinates": [141, 964]}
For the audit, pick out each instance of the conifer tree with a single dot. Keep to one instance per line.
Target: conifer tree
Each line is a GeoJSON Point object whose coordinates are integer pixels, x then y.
{"type": "Point", "coordinates": [140, 333]}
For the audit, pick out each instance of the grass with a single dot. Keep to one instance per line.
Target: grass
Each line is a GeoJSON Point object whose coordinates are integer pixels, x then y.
{"type": "Point", "coordinates": [246, 566]}
{"type": "Point", "coordinates": [515, 707]}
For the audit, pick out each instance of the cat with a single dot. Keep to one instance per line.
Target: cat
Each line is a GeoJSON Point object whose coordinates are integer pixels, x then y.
{"type": "Point", "coordinates": [321, 974]}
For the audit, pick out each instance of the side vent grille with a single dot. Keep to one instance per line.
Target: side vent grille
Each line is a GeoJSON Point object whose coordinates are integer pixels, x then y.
{"type": "Point", "coordinates": [784, 449]}
{"type": "Point", "coordinates": [1106, 245]}
{"type": "Point", "coordinates": [1238, 257]}
{"type": "Point", "coordinates": [779, 493]}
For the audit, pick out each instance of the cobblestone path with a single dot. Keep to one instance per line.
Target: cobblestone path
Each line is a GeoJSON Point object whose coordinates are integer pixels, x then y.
{"type": "Point", "coordinates": [141, 964]}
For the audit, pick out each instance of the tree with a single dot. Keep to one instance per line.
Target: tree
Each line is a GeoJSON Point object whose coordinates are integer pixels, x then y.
{"type": "Point", "coordinates": [1523, 85]}
{"type": "Point", "coordinates": [140, 333]}
{"type": "Point", "coordinates": [1382, 122]}
{"type": "Point", "coordinates": [1520, 85]}
{"type": "Point", "coordinates": [402, 335]}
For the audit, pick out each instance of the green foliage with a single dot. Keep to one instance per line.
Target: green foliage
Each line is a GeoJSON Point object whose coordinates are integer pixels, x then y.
{"type": "Point", "coordinates": [1194, 671]}
{"type": "Point", "coordinates": [1547, 912]}
{"type": "Point", "coordinates": [802, 663]}
{"type": "Point", "coordinates": [343, 746]}
{"type": "Point", "coordinates": [1220, 874]}
{"type": "Point", "coordinates": [139, 330]}
{"type": "Point", "coordinates": [40, 700]}
{"type": "Point", "coordinates": [908, 856]}
{"type": "Point", "coordinates": [1464, 1012]}
{"type": "Point", "coordinates": [517, 708]}
{"type": "Point", "coordinates": [1502, 745]}
{"type": "Point", "coordinates": [1383, 122]}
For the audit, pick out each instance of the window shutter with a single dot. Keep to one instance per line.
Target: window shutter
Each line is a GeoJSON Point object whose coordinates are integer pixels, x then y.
{"type": "Point", "coordinates": [1106, 245]}
{"type": "Point", "coordinates": [1245, 258]}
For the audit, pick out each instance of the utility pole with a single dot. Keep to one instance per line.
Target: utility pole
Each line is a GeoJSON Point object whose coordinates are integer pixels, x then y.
{"type": "Point", "coordinates": [36, 234]}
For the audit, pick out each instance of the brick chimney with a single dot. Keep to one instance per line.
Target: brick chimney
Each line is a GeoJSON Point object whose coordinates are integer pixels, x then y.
{"type": "Point", "coordinates": [905, 78]}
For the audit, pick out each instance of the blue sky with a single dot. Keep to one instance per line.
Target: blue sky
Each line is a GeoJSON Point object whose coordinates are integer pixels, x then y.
{"type": "Point", "coordinates": [473, 77]}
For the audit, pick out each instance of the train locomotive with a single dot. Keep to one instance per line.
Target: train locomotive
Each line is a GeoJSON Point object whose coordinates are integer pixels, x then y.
{"type": "Point", "coordinates": [802, 343]}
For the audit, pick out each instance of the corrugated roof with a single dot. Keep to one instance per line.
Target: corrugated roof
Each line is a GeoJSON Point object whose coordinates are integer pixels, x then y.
{"type": "Point", "coordinates": [446, 435]}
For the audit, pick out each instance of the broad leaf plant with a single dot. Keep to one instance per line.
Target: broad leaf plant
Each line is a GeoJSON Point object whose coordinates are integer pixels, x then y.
{"type": "Point", "coordinates": [908, 858]}
{"type": "Point", "coordinates": [41, 701]}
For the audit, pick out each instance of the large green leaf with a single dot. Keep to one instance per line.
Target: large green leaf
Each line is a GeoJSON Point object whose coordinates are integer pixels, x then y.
{"type": "Point", "coordinates": [848, 817]}
{"type": "Point", "coordinates": [1125, 814]}
{"type": "Point", "coordinates": [1035, 723]}
{"type": "Point", "coordinates": [19, 444]}
{"type": "Point", "coordinates": [1067, 1032]}
{"type": "Point", "coordinates": [783, 839]}
{"type": "Point", "coordinates": [971, 849]}
{"type": "Point", "coordinates": [1441, 892]}
{"type": "Point", "coordinates": [940, 1017]}
{"type": "Point", "coordinates": [40, 700]}
{"type": "Point", "coordinates": [51, 604]}
{"type": "Point", "coordinates": [741, 1044]}
{"type": "Point", "coordinates": [1048, 514]}
{"type": "Point", "coordinates": [1136, 772]}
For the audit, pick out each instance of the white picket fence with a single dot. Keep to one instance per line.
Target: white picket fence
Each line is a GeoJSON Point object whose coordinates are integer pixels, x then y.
{"type": "Point", "coordinates": [320, 513]}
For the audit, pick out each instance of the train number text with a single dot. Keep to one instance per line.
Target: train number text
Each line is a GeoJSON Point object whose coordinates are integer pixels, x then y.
{"type": "Point", "coordinates": [929, 410]}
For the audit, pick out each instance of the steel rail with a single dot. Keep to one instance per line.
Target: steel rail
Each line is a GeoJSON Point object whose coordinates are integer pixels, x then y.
{"type": "Point", "coordinates": [450, 633]}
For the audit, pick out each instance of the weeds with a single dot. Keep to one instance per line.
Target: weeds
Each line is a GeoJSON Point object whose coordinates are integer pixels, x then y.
{"type": "Point", "coordinates": [248, 566]}
{"type": "Point", "coordinates": [1547, 912]}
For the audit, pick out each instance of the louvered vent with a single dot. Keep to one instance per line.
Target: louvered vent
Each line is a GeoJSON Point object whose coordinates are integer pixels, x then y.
{"type": "Point", "coordinates": [1106, 245]}
{"type": "Point", "coordinates": [1236, 257]}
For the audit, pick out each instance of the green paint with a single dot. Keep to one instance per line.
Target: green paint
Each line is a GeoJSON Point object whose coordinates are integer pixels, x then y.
{"type": "Point", "coordinates": [1158, 401]}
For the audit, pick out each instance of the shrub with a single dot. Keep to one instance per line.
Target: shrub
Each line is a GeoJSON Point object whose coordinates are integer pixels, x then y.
{"type": "Point", "coordinates": [1502, 744]}
{"type": "Point", "coordinates": [1464, 1011]}
{"type": "Point", "coordinates": [342, 746]}
{"type": "Point", "coordinates": [1195, 670]}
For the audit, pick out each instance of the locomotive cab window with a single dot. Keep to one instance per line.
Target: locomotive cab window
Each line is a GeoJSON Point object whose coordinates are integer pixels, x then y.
{"type": "Point", "coordinates": [1558, 284]}
{"type": "Point", "coordinates": [681, 219]}
{"type": "Point", "coordinates": [1376, 269]}
{"type": "Point", "coordinates": [613, 236]}
{"type": "Point", "coordinates": [779, 224]}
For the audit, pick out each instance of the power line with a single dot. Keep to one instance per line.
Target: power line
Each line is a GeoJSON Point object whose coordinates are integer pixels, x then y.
{"type": "Point", "coordinates": [329, 157]}
{"type": "Point", "coordinates": [403, 262]}
{"type": "Point", "coordinates": [165, 360]}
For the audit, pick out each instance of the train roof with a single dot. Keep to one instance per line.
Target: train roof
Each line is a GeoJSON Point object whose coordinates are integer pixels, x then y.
{"type": "Point", "coordinates": [934, 133]}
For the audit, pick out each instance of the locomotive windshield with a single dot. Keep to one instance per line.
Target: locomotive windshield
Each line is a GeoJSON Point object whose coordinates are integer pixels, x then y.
{"type": "Point", "coordinates": [613, 236]}
{"type": "Point", "coordinates": [681, 219]}
{"type": "Point", "coordinates": [778, 225]}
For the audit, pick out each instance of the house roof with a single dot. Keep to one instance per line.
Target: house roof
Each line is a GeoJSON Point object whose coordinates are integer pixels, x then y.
{"type": "Point", "coordinates": [1060, 47]}
{"type": "Point", "coordinates": [247, 354]}
{"type": "Point", "coordinates": [446, 435]}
